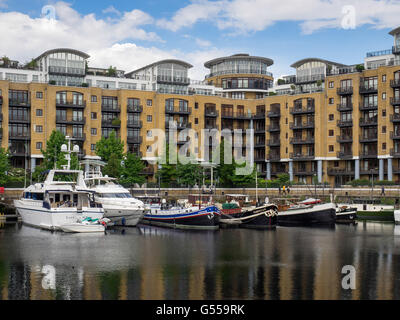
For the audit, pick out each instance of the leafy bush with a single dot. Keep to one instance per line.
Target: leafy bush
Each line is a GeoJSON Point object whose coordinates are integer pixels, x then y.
{"type": "Point", "coordinates": [360, 183]}
{"type": "Point", "coordinates": [384, 183]}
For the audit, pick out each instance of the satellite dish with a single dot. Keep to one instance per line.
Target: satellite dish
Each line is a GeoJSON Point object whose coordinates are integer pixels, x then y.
{"type": "Point", "coordinates": [64, 148]}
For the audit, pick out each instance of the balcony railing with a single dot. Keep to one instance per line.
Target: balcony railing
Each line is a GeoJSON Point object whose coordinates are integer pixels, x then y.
{"type": "Point", "coordinates": [302, 125]}
{"type": "Point", "coordinates": [236, 115]}
{"type": "Point", "coordinates": [211, 113]}
{"type": "Point", "coordinates": [395, 83]}
{"type": "Point", "coordinates": [19, 119]}
{"type": "Point", "coordinates": [274, 157]}
{"type": "Point", "coordinates": [271, 128]}
{"type": "Point", "coordinates": [304, 172]}
{"type": "Point", "coordinates": [173, 80]}
{"type": "Point", "coordinates": [396, 49]}
{"type": "Point", "coordinates": [343, 107]}
{"type": "Point", "coordinates": [312, 78]}
{"type": "Point", "coordinates": [19, 103]}
{"type": "Point", "coordinates": [365, 122]}
{"type": "Point", "coordinates": [395, 101]}
{"type": "Point", "coordinates": [300, 110]}
{"type": "Point", "coordinates": [302, 156]}
{"type": "Point", "coordinates": [274, 114]}
{"type": "Point", "coordinates": [110, 123]}
{"type": "Point", "coordinates": [260, 115]}
{"type": "Point", "coordinates": [344, 139]}
{"type": "Point", "coordinates": [63, 103]}
{"type": "Point", "coordinates": [367, 107]}
{"type": "Point", "coordinates": [179, 125]}
{"type": "Point", "coordinates": [135, 124]}
{"type": "Point", "coordinates": [181, 111]}
{"type": "Point", "coordinates": [345, 91]}
{"type": "Point", "coordinates": [261, 144]}
{"type": "Point", "coordinates": [344, 123]}
{"type": "Point", "coordinates": [395, 153]}
{"type": "Point", "coordinates": [368, 138]}
{"type": "Point", "coordinates": [395, 117]}
{"type": "Point", "coordinates": [135, 109]}
{"type": "Point", "coordinates": [368, 89]}
{"type": "Point", "coordinates": [345, 155]}
{"type": "Point", "coordinates": [78, 136]}
{"type": "Point", "coordinates": [395, 135]}
{"type": "Point", "coordinates": [111, 108]}
{"type": "Point", "coordinates": [67, 71]}
{"type": "Point", "coordinates": [340, 172]}
{"type": "Point", "coordinates": [371, 154]}
{"type": "Point", "coordinates": [134, 139]}
{"type": "Point", "coordinates": [211, 126]}
{"type": "Point", "coordinates": [71, 120]}
{"type": "Point", "coordinates": [300, 141]}
{"type": "Point", "coordinates": [274, 143]}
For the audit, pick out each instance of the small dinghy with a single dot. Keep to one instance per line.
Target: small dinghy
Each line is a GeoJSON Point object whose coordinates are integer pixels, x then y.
{"type": "Point", "coordinates": [87, 225]}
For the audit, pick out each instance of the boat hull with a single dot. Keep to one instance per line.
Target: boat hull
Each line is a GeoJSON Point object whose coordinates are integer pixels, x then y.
{"type": "Point", "coordinates": [319, 214]}
{"type": "Point", "coordinates": [52, 219]}
{"type": "Point", "coordinates": [263, 218]}
{"type": "Point", "coordinates": [123, 216]}
{"type": "Point", "coordinates": [205, 219]}
{"type": "Point", "coordinates": [397, 216]}
{"type": "Point", "coordinates": [79, 228]}
{"type": "Point", "coordinates": [348, 216]}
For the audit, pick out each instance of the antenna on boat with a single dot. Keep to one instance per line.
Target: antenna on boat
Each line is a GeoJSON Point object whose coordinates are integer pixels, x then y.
{"type": "Point", "coordinates": [67, 149]}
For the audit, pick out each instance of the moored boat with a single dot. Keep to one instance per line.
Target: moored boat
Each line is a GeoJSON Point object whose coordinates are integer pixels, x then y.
{"type": "Point", "coordinates": [345, 214]}
{"type": "Point", "coordinates": [397, 216]}
{"type": "Point", "coordinates": [307, 214]}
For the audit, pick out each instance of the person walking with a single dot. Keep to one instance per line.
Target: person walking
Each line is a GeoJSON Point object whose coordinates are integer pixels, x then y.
{"type": "Point", "coordinates": [383, 191]}
{"type": "Point", "coordinates": [284, 189]}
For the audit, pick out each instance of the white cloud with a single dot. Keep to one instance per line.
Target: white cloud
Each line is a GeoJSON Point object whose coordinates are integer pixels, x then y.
{"type": "Point", "coordinates": [3, 4]}
{"type": "Point", "coordinates": [244, 16]}
{"type": "Point", "coordinates": [112, 9]}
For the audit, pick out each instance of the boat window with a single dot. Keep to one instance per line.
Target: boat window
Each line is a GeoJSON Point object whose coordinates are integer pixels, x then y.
{"type": "Point", "coordinates": [57, 197]}
{"type": "Point", "coordinates": [116, 195]}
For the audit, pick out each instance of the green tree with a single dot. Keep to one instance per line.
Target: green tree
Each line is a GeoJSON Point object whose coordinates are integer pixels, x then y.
{"type": "Point", "coordinates": [167, 172]}
{"type": "Point", "coordinates": [131, 170]}
{"type": "Point", "coordinates": [4, 166]}
{"type": "Point", "coordinates": [113, 167]}
{"type": "Point", "coordinates": [224, 171]}
{"type": "Point", "coordinates": [53, 156]}
{"type": "Point", "coordinates": [112, 71]}
{"type": "Point", "coordinates": [110, 146]}
{"type": "Point", "coordinates": [188, 174]}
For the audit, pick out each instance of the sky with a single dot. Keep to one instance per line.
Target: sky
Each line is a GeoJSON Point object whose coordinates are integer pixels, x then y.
{"type": "Point", "coordinates": [130, 34]}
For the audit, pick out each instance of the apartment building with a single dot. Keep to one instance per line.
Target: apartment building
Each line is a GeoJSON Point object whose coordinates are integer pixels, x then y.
{"type": "Point", "coordinates": [328, 120]}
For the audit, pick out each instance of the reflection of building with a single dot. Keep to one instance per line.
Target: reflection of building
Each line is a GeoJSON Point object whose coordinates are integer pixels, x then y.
{"type": "Point", "coordinates": [329, 120]}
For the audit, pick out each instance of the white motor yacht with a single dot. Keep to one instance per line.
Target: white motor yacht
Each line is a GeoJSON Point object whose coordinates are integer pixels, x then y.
{"type": "Point", "coordinates": [62, 199]}
{"type": "Point", "coordinates": [118, 204]}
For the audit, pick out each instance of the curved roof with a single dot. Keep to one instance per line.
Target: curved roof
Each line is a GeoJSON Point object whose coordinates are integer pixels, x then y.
{"type": "Point", "coordinates": [67, 50]}
{"type": "Point", "coordinates": [395, 31]}
{"type": "Point", "coordinates": [303, 61]}
{"type": "Point", "coordinates": [175, 61]}
{"type": "Point", "coordinates": [240, 56]}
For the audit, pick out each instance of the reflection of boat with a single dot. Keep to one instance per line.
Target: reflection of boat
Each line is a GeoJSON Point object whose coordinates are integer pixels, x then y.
{"type": "Point", "coordinates": [60, 200]}
{"type": "Point", "coordinates": [182, 217]}
{"type": "Point", "coordinates": [345, 214]}
{"type": "Point", "coordinates": [118, 204]}
{"type": "Point", "coordinates": [239, 211]}
{"type": "Point", "coordinates": [397, 216]}
{"type": "Point", "coordinates": [307, 213]}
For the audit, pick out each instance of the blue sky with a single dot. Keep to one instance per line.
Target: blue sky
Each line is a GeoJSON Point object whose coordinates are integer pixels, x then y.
{"type": "Point", "coordinates": [131, 34]}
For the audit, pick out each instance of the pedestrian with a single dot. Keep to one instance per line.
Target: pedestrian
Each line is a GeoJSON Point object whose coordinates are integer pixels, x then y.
{"type": "Point", "coordinates": [383, 190]}
{"type": "Point", "coordinates": [284, 189]}
{"type": "Point", "coordinates": [288, 190]}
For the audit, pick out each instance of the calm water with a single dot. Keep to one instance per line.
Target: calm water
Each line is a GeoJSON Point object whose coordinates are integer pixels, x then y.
{"type": "Point", "coordinates": [155, 263]}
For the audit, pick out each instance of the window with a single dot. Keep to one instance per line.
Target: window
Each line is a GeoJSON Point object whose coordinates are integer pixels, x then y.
{"type": "Point", "coordinates": [94, 131]}
{"type": "Point", "coordinates": [39, 112]}
{"type": "Point", "coordinates": [331, 100]}
{"type": "Point", "coordinates": [149, 133]}
{"type": "Point", "coordinates": [149, 149]}
{"type": "Point", "coordinates": [149, 118]}
{"type": "Point", "coordinates": [196, 120]}
{"type": "Point", "coordinates": [39, 145]}
{"type": "Point", "coordinates": [331, 148]}
{"type": "Point", "coordinates": [331, 117]}
{"type": "Point", "coordinates": [331, 84]}
{"type": "Point", "coordinates": [94, 115]}
{"type": "Point", "coordinates": [39, 95]}
{"type": "Point", "coordinates": [94, 98]}
{"type": "Point", "coordinates": [384, 78]}
{"type": "Point", "coordinates": [384, 129]}
{"type": "Point", "coordinates": [143, 87]}
{"type": "Point", "coordinates": [39, 129]}
{"type": "Point", "coordinates": [149, 103]}
{"type": "Point", "coordinates": [336, 164]}
{"type": "Point", "coordinates": [383, 113]}
{"type": "Point", "coordinates": [383, 95]}
{"type": "Point", "coordinates": [384, 146]}
{"type": "Point", "coordinates": [331, 133]}
{"type": "Point", "coordinates": [196, 105]}
{"type": "Point", "coordinates": [93, 147]}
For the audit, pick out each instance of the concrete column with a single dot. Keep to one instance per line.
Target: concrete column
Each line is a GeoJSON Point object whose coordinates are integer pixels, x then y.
{"type": "Point", "coordinates": [390, 169]}
{"type": "Point", "coordinates": [33, 164]}
{"type": "Point", "coordinates": [291, 170]}
{"type": "Point", "coordinates": [87, 167]}
{"type": "Point", "coordinates": [268, 170]}
{"type": "Point", "coordinates": [357, 169]}
{"type": "Point", "coordinates": [319, 171]}
{"type": "Point", "coordinates": [381, 170]}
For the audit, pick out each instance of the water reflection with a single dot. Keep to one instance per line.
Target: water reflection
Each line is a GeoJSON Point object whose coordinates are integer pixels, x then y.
{"type": "Point", "coordinates": [155, 263]}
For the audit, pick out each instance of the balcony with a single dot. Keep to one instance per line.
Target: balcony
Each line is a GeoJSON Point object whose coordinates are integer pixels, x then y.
{"type": "Point", "coordinates": [368, 107]}
{"type": "Point", "coordinates": [19, 119]}
{"type": "Point", "coordinates": [63, 71]}
{"type": "Point", "coordinates": [24, 136]}
{"type": "Point", "coordinates": [372, 154]}
{"type": "Point", "coordinates": [368, 138]}
{"type": "Point", "coordinates": [302, 125]}
{"type": "Point", "coordinates": [396, 49]}
{"type": "Point", "coordinates": [344, 107]}
{"type": "Point", "coordinates": [236, 115]}
{"type": "Point", "coordinates": [342, 91]}
{"type": "Point", "coordinates": [135, 109]}
{"type": "Point", "coordinates": [368, 122]}
{"type": "Point", "coordinates": [395, 135]}
{"type": "Point", "coordinates": [211, 126]}
{"type": "Point", "coordinates": [259, 158]}
{"type": "Point", "coordinates": [273, 157]}
{"type": "Point", "coordinates": [173, 80]}
{"type": "Point", "coordinates": [300, 141]}
{"type": "Point", "coordinates": [78, 136]}
{"type": "Point", "coordinates": [309, 79]}
{"type": "Point", "coordinates": [134, 140]}
{"type": "Point", "coordinates": [344, 123]}
{"type": "Point", "coordinates": [368, 89]}
{"type": "Point", "coordinates": [274, 114]}
{"type": "Point", "coordinates": [304, 172]}
{"type": "Point", "coordinates": [111, 123]}
{"type": "Point", "coordinates": [301, 110]}
{"type": "Point", "coordinates": [395, 118]}
{"type": "Point", "coordinates": [71, 120]}
{"type": "Point", "coordinates": [180, 111]}
{"type": "Point", "coordinates": [179, 125]}
{"type": "Point", "coordinates": [110, 108]}
{"type": "Point", "coordinates": [302, 157]}
{"type": "Point", "coordinates": [395, 101]}
{"type": "Point", "coordinates": [345, 155]}
{"type": "Point", "coordinates": [395, 83]}
{"type": "Point", "coordinates": [395, 153]}
{"type": "Point", "coordinates": [273, 143]}
{"type": "Point", "coordinates": [340, 172]}
{"type": "Point", "coordinates": [19, 103]}
{"type": "Point", "coordinates": [211, 113]}
{"type": "Point", "coordinates": [365, 172]}
{"type": "Point", "coordinates": [261, 115]}
{"type": "Point", "coordinates": [344, 139]}
{"type": "Point", "coordinates": [270, 128]}
{"type": "Point", "coordinates": [135, 124]}
{"type": "Point", "coordinates": [62, 103]}
{"type": "Point", "coordinates": [17, 151]}
{"type": "Point", "coordinates": [261, 144]}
